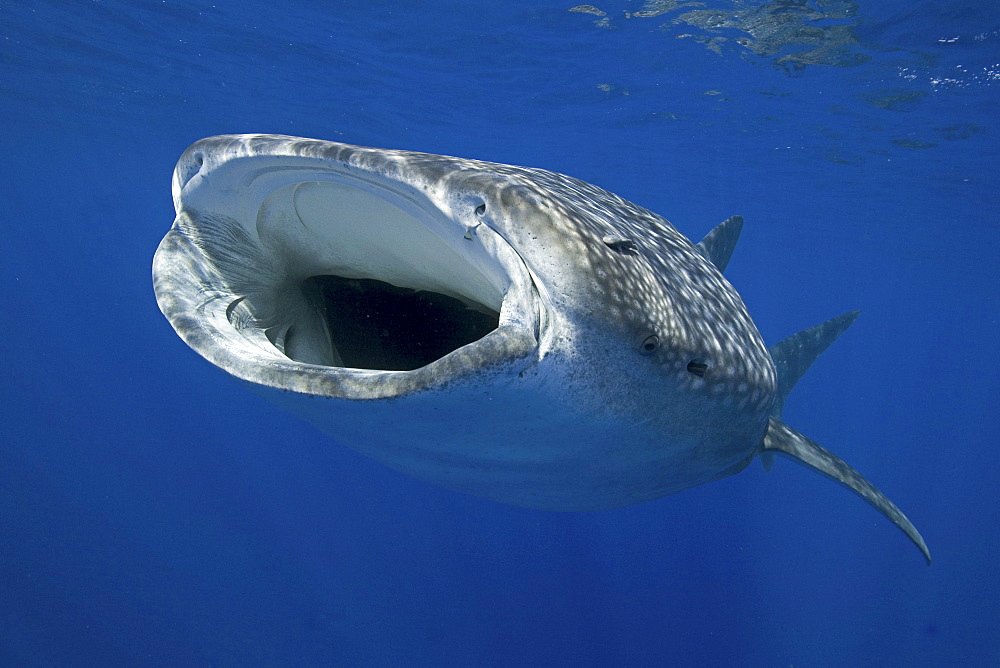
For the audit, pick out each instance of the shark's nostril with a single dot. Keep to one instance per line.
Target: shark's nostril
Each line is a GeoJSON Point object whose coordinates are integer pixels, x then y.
{"type": "Point", "coordinates": [187, 171]}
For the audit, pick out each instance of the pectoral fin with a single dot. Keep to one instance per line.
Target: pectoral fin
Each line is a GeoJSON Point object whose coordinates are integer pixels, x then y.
{"type": "Point", "coordinates": [783, 439]}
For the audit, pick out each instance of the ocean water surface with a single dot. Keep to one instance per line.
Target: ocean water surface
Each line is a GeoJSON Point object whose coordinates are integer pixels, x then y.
{"type": "Point", "coordinates": [155, 512]}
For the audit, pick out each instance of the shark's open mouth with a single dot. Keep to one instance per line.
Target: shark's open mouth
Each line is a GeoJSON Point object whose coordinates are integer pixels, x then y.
{"type": "Point", "coordinates": [310, 264]}
{"type": "Point", "coordinates": [377, 325]}
{"type": "Point", "coordinates": [371, 277]}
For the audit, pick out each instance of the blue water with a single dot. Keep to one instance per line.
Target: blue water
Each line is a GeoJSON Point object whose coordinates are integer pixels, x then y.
{"type": "Point", "coordinates": [152, 511]}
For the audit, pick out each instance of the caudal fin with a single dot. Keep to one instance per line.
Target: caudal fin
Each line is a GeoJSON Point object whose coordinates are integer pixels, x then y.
{"type": "Point", "coordinates": [793, 357]}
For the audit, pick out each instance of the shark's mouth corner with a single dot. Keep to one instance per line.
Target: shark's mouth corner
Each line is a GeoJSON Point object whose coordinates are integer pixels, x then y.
{"type": "Point", "coordinates": [277, 273]}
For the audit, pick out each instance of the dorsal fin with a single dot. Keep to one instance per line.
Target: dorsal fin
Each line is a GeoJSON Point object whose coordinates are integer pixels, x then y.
{"type": "Point", "coordinates": [783, 439]}
{"type": "Point", "coordinates": [718, 244]}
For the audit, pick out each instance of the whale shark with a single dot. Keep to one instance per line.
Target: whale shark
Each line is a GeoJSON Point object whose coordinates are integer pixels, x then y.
{"type": "Point", "coordinates": [506, 332]}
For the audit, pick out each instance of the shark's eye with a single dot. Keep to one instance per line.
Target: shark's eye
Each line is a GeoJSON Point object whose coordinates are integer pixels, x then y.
{"type": "Point", "coordinates": [697, 368]}
{"type": "Point", "coordinates": [649, 344]}
{"type": "Point", "coordinates": [481, 209]}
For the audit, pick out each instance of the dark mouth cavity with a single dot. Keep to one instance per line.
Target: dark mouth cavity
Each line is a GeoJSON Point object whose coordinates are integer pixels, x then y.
{"type": "Point", "coordinates": [375, 325]}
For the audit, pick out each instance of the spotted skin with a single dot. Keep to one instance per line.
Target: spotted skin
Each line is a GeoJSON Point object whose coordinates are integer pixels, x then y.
{"type": "Point", "coordinates": [625, 367]}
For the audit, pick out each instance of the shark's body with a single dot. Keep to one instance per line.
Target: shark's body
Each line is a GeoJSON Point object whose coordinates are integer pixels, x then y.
{"type": "Point", "coordinates": [502, 331]}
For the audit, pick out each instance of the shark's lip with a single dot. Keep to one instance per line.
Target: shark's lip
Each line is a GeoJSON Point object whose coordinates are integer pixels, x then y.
{"type": "Point", "coordinates": [276, 211]}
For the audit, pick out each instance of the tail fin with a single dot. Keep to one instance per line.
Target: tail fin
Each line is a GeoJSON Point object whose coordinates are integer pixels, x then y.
{"type": "Point", "coordinates": [783, 439]}
{"type": "Point", "coordinates": [793, 357]}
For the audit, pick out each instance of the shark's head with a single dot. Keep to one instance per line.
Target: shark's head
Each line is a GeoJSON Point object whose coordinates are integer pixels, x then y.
{"type": "Point", "coordinates": [507, 332]}
{"type": "Point", "coordinates": [643, 317]}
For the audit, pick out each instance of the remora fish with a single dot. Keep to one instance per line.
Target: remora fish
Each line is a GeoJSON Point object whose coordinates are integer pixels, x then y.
{"type": "Point", "coordinates": [502, 331]}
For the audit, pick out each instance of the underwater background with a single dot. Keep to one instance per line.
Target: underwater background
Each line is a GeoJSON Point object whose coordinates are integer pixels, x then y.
{"type": "Point", "coordinates": [155, 512]}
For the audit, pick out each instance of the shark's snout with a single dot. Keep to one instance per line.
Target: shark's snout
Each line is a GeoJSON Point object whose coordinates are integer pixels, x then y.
{"type": "Point", "coordinates": [188, 167]}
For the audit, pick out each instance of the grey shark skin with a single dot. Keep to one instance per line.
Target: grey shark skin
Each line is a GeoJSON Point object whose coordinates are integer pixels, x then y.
{"type": "Point", "coordinates": [611, 364]}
